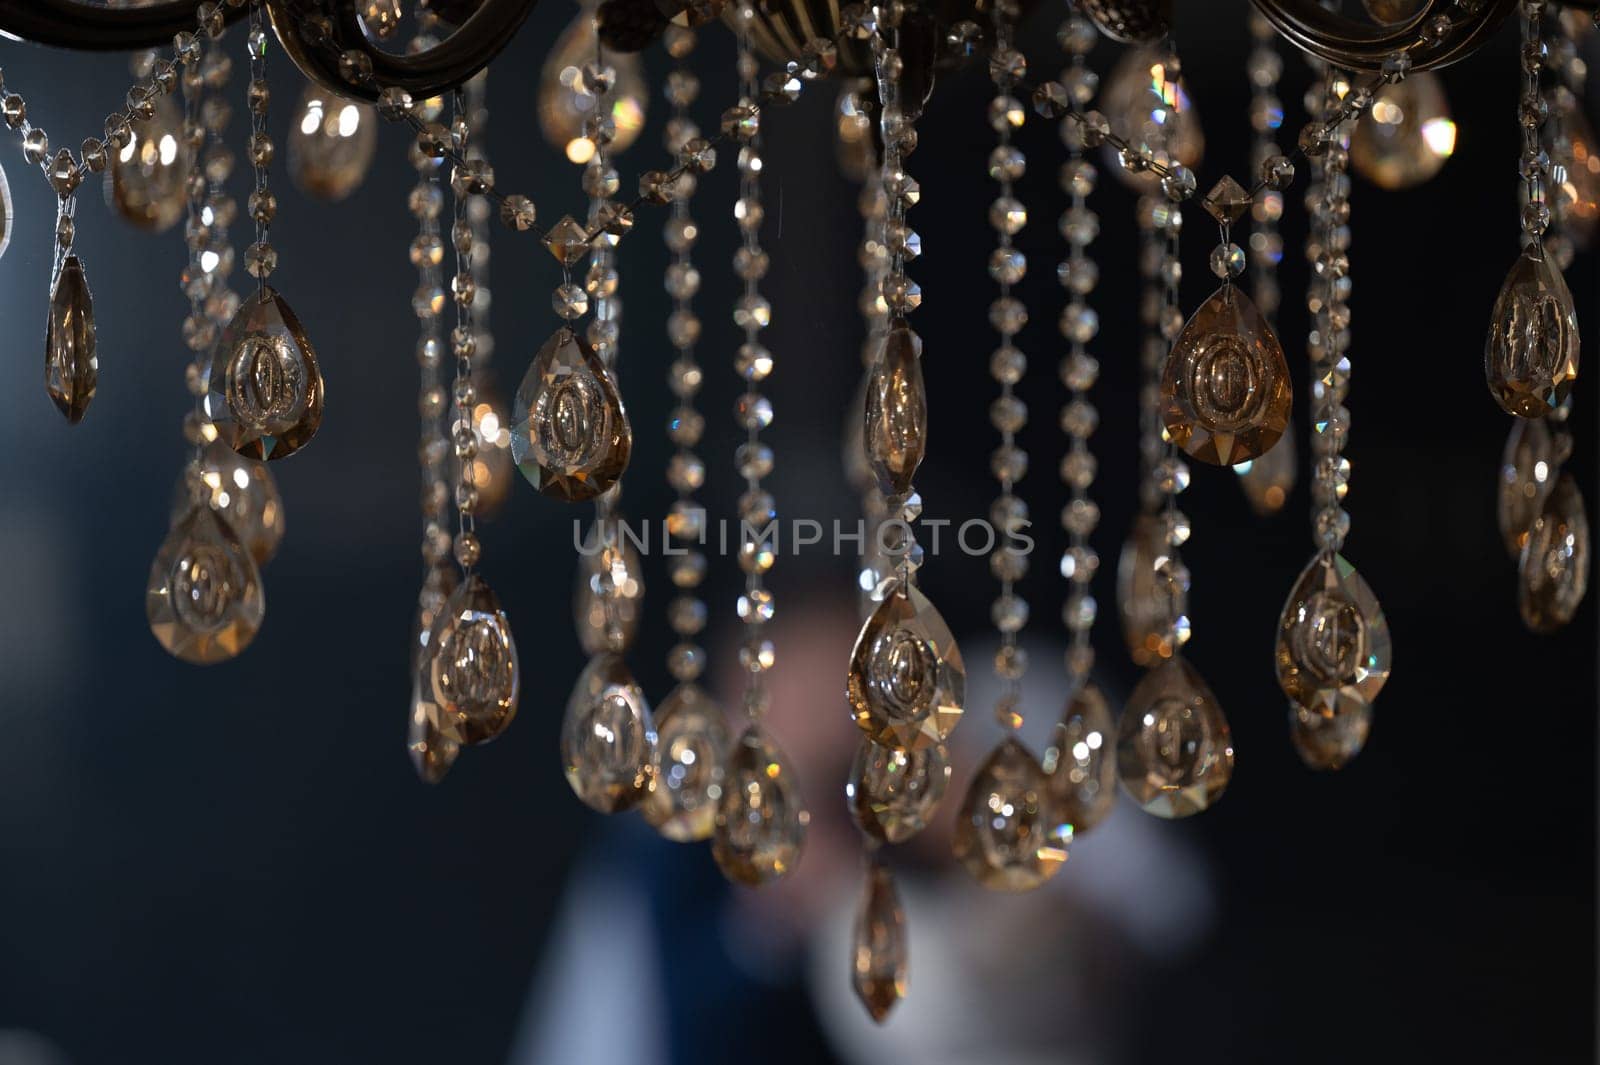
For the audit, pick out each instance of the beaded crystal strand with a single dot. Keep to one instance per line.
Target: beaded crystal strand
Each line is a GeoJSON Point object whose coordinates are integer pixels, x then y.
{"type": "Point", "coordinates": [761, 819]}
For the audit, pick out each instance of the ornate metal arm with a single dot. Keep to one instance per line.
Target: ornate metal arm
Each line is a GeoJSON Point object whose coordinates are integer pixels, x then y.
{"type": "Point", "coordinates": [1361, 45]}
{"type": "Point", "coordinates": [90, 27]}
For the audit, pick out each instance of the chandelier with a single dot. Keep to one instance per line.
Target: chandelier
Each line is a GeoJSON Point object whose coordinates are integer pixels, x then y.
{"type": "Point", "coordinates": [1216, 384]}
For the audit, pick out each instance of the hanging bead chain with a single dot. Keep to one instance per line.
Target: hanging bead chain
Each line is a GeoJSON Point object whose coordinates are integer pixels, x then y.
{"type": "Point", "coordinates": [260, 259]}
{"type": "Point", "coordinates": [873, 255]}
{"type": "Point", "coordinates": [1531, 116]}
{"type": "Point", "coordinates": [465, 182]}
{"type": "Point", "coordinates": [201, 277]}
{"type": "Point", "coordinates": [1265, 66]}
{"type": "Point", "coordinates": [1564, 100]}
{"type": "Point", "coordinates": [1079, 324]}
{"type": "Point", "coordinates": [1330, 333]}
{"type": "Point", "coordinates": [425, 201]}
{"type": "Point", "coordinates": [600, 182]}
{"type": "Point", "coordinates": [1007, 315]}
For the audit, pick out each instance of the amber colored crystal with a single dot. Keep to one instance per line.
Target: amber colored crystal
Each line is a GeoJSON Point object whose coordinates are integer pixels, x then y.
{"type": "Point", "coordinates": [1227, 201]}
{"type": "Point", "coordinates": [761, 821]}
{"type": "Point", "coordinates": [242, 491]}
{"type": "Point", "coordinates": [608, 740]}
{"type": "Point", "coordinates": [146, 178]}
{"type": "Point", "coordinates": [1574, 202]}
{"type": "Point", "coordinates": [1174, 749]}
{"type": "Point", "coordinates": [893, 792]}
{"type": "Point", "coordinates": [1531, 356]}
{"type": "Point", "coordinates": [471, 663]}
{"type": "Point", "coordinates": [438, 584]}
{"type": "Point", "coordinates": [1082, 760]}
{"type": "Point", "coordinates": [332, 142]}
{"type": "Point", "coordinates": [879, 959]}
{"type": "Point", "coordinates": [1329, 743]}
{"type": "Point", "coordinates": [430, 740]}
{"type": "Point", "coordinates": [609, 597]}
{"type": "Point", "coordinates": [1333, 648]}
{"type": "Point", "coordinates": [570, 435]}
{"type": "Point", "coordinates": [204, 601]}
{"type": "Point", "coordinates": [907, 681]}
{"type": "Point", "coordinates": [1528, 469]}
{"type": "Point", "coordinates": [691, 749]}
{"type": "Point", "coordinates": [1553, 575]}
{"type": "Point", "coordinates": [1268, 480]}
{"type": "Point", "coordinates": [1390, 12]}
{"type": "Point", "coordinates": [1010, 834]}
{"type": "Point", "coordinates": [1152, 593]}
{"type": "Point", "coordinates": [1153, 112]}
{"type": "Point", "coordinates": [896, 423]}
{"type": "Point", "coordinates": [265, 389]}
{"type": "Point", "coordinates": [1225, 389]}
{"type": "Point", "coordinates": [71, 368]}
{"type": "Point", "coordinates": [1405, 137]}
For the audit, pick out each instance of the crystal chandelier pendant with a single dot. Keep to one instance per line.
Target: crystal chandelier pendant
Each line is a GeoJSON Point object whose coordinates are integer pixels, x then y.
{"type": "Point", "coordinates": [1152, 593]}
{"type": "Point", "coordinates": [204, 601]}
{"type": "Point", "coordinates": [609, 597]}
{"type": "Point", "coordinates": [1405, 137]}
{"type": "Point", "coordinates": [1268, 480]}
{"type": "Point", "coordinates": [687, 781]}
{"type": "Point", "coordinates": [893, 792]}
{"type": "Point", "coordinates": [1333, 649]}
{"type": "Point", "coordinates": [1575, 201]}
{"type": "Point", "coordinates": [1329, 743]}
{"type": "Point", "coordinates": [7, 212]}
{"type": "Point", "coordinates": [1528, 469]}
{"type": "Point", "coordinates": [1082, 761]}
{"type": "Point", "coordinates": [1174, 749]}
{"type": "Point", "coordinates": [1225, 388]}
{"type": "Point", "coordinates": [879, 959]}
{"type": "Point", "coordinates": [608, 740]}
{"type": "Point", "coordinates": [471, 664]}
{"type": "Point", "coordinates": [896, 410]}
{"type": "Point", "coordinates": [241, 491]}
{"type": "Point", "coordinates": [1009, 833]}
{"type": "Point", "coordinates": [567, 100]}
{"type": "Point", "coordinates": [430, 740]}
{"type": "Point", "coordinates": [570, 436]}
{"type": "Point", "coordinates": [1553, 575]}
{"type": "Point", "coordinates": [71, 368]}
{"type": "Point", "coordinates": [332, 143]}
{"type": "Point", "coordinates": [146, 179]}
{"type": "Point", "coordinates": [907, 682]}
{"type": "Point", "coordinates": [1531, 357]}
{"type": "Point", "coordinates": [1154, 113]}
{"type": "Point", "coordinates": [761, 823]}
{"type": "Point", "coordinates": [438, 584]}
{"type": "Point", "coordinates": [265, 388]}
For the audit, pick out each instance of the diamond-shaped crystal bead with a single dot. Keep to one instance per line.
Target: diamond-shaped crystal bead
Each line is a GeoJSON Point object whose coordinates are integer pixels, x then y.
{"type": "Point", "coordinates": [1227, 201]}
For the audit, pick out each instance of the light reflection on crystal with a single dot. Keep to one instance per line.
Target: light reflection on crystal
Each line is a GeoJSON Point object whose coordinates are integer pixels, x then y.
{"type": "Point", "coordinates": [471, 663]}
{"type": "Point", "coordinates": [332, 142]}
{"type": "Point", "coordinates": [896, 410]}
{"type": "Point", "coordinates": [879, 958]}
{"type": "Point", "coordinates": [145, 179]}
{"type": "Point", "coordinates": [1152, 593]}
{"type": "Point", "coordinates": [893, 792]}
{"type": "Point", "coordinates": [1528, 469]}
{"type": "Point", "coordinates": [1553, 574]}
{"type": "Point", "coordinates": [71, 367]}
{"type": "Point", "coordinates": [607, 737]}
{"type": "Point", "coordinates": [687, 781]}
{"type": "Point", "coordinates": [242, 491]}
{"type": "Point", "coordinates": [430, 740]}
{"type": "Point", "coordinates": [570, 435]}
{"type": "Point", "coordinates": [609, 597]}
{"type": "Point", "coordinates": [204, 601]}
{"type": "Point", "coordinates": [1268, 479]}
{"type": "Point", "coordinates": [1152, 113]}
{"type": "Point", "coordinates": [907, 681]}
{"type": "Point", "coordinates": [265, 388]}
{"type": "Point", "coordinates": [1531, 356]}
{"type": "Point", "coordinates": [1010, 834]}
{"type": "Point", "coordinates": [1174, 748]}
{"type": "Point", "coordinates": [566, 100]}
{"type": "Point", "coordinates": [1333, 650]}
{"type": "Point", "coordinates": [761, 820]}
{"type": "Point", "coordinates": [1328, 743]}
{"type": "Point", "coordinates": [1082, 761]}
{"type": "Point", "coordinates": [1406, 135]}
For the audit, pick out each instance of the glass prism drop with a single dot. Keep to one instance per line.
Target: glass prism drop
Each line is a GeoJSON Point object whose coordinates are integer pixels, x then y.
{"type": "Point", "coordinates": [1152, 593]}
{"type": "Point", "coordinates": [438, 584]}
{"type": "Point", "coordinates": [71, 368]}
{"type": "Point", "coordinates": [242, 491]}
{"type": "Point", "coordinates": [204, 600]}
{"type": "Point", "coordinates": [1174, 749]}
{"type": "Point", "coordinates": [430, 739]}
{"type": "Point", "coordinates": [687, 779]}
{"type": "Point", "coordinates": [1009, 832]}
{"type": "Point", "coordinates": [907, 681]}
{"type": "Point", "coordinates": [609, 597]}
{"type": "Point", "coordinates": [332, 142]}
{"type": "Point", "coordinates": [896, 426]}
{"type": "Point", "coordinates": [146, 179]}
{"type": "Point", "coordinates": [879, 958]}
{"type": "Point", "coordinates": [1268, 479]}
{"type": "Point", "coordinates": [761, 821]}
{"type": "Point", "coordinates": [608, 739]}
{"type": "Point", "coordinates": [7, 212]}
{"type": "Point", "coordinates": [1531, 356]}
{"type": "Point", "coordinates": [1553, 574]}
{"type": "Point", "coordinates": [1528, 469]}
{"type": "Point", "coordinates": [265, 389]}
{"type": "Point", "coordinates": [471, 663]}
{"type": "Point", "coordinates": [1329, 743]}
{"type": "Point", "coordinates": [1082, 760]}
{"type": "Point", "coordinates": [1225, 389]}
{"type": "Point", "coordinates": [570, 435]}
{"type": "Point", "coordinates": [893, 792]}
{"type": "Point", "coordinates": [1404, 138]}
{"type": "Point", "coordinates": [1333, 649]}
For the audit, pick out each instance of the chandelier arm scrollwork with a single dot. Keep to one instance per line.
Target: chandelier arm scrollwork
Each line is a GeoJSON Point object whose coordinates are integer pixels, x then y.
{"type": "Point", "coordinates": [93, 28]}
{"type": "Point", "coordinates": [1359, 45]}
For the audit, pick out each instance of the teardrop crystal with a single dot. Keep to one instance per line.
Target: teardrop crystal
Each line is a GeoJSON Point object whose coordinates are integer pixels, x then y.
{"type": "Point", "coordinates": [332, 142]}
{"type": "Point", "coordinates": [1268, 480]}
{"type": "Point", "coordinates": [430, 740]}
{"type": "Point", "coordinates": [1329, 743]}
{"type": "Point", "coordinates": [893, 792]}
{"type": "Point", "coordinates": [1404, 138]}
{"type": "Point", "coordinates": [761, 822]}
{"type": "Point", "coordinates": [1009, 832]}
{"type": "Point", "coordinates": [1151, 110]}
{"type": "Point", "coordinates": [1333, 650]}
{"type": "Point", "coordinates": [242, 491]}
{"type": "Point", "coordinates": [896, 426]}
{"type": "Point", "coordinates": [907, 681]}
{"type": "Point", "coordinates": [879, 959]}
{"type": "Point", "coordinates": [1225, 388]}
{"type": "Point", "coordinates": [609, 597]}
{"type": "Point", "coordinates": [146, 180]}
{"type": "Point", "coordinates": [1082, 760]}
{"type": "Point", "coordinates": [570, 436]}
{"type": "Point", "coordinates": [1152, 593]}
{"type": "Point", "coordinates": [1174, 749]}
{"type": "Point", "coordinates": [686, 783]}
{"type": "Point", "coordinates": [471, 663]}
{"type": "Point", "coordinates": [265, 388]}
{"type": "Point", "coordinates": [71, 369]}
{"type": "Point", "coordinates": [7, 213]}
{"type": "Point", "coordinates": [1528, 469]}
{"type": "Point", "coordinates": [1575, 201]}
{"type": "Point", "coordinates": [608, 739]}
{"type": "Point", "coordinates": [204, 600]}
{"type": "Point", "coordinates": [438, 584]}
{"type": "Point", "coordinates": [1553, 575]}
{"type": "Point", "coordinates": [1531, 357]}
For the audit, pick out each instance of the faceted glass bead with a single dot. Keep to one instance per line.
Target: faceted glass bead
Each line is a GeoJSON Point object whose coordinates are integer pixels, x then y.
{"type": "Point", "coordinates": [1268, 479]}
{"type": "Point", "coordinates": [879, 960]}
{"type": "Point", "coordinates": [1531, 357]}
{"type": "Point", "coordinates": [687, 781]}
{"type": "Point", "coordinates": [1406, 135]}
{"type": "Point", "coordinates": [71, 368]}
{"type": "Point", "coordinates": [907, 681]}
{"type": "Point", "coordinates": [204, 601]}
{"type": "Point", "coordinates": [146, 181]}
{"type": "Point", "coordinates": [1528, 469]}
{"type": "Point", "coordinates": [1227, 201]}
{"type": "Point", "coordinates": [609, 597]}
{"type": "Point", "coordinates": [1225, 389]}
{"type": "Point", "coordinates": [1009, 832]}
{"type": "Point", "coordinates": [241, 491]}
{"type": "Point", "coordinates": [471, 664]}
{"type": "Point", "coordinates": [1329, 742]}
{"type": "Point", "coordinates": [332, 143]}
{"type": "Point", "coordinates": [430, 740]}
{"type": "Point", "coordinates": [896, 410]}
{"type": "Point", "coordinates": [1174, 749]}
{"type": "Point", "coordinates": [893, 792]}
{"type": "Point", "coordinates": [608, 740]}
{"type": "Point", "coordinates": [761, 821]}
{"type": "Point", "coordinates": [1333, 647]}
{"type": "Point", "coordinates": [1152, 593]}
{"type": "Point", "coordinates": [1553, 575]}
{"type": "Point", "coordinates": [570, 435]}
{"type": "Point", "coordinates": [1082, 760]}
{"type": "Point", "coordinates": [265, 388]}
